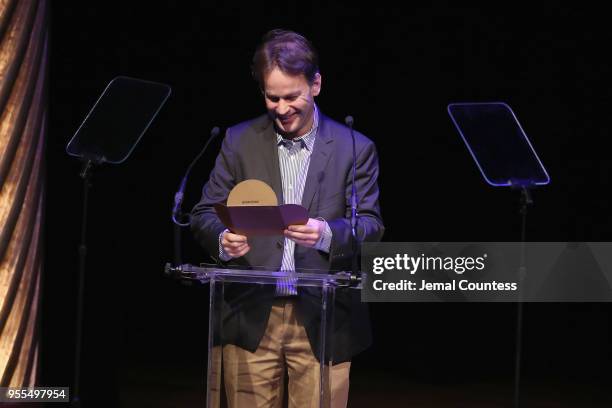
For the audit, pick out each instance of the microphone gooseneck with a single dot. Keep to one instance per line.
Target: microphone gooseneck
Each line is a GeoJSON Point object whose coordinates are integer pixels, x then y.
{"type": "Point", "coordinates": [177, 213]}
{"type": "Point", "coordinates": [355, 243]}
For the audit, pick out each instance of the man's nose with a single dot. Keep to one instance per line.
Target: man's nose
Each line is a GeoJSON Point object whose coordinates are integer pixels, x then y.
{"type": "Point", "coordinates": [282, 108]}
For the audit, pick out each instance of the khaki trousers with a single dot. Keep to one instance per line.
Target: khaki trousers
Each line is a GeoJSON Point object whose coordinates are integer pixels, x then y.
{"type": "Point", "coordinates": [257, 379]}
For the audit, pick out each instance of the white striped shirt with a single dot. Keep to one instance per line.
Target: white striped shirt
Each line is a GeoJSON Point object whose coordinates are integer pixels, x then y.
{"type": "Point", "coordinates": [293, 159]}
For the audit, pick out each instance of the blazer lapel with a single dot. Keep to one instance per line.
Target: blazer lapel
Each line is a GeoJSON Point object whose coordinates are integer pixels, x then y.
{"type": "Point", "coordinates": [270, 158]}
{"type": "Point", "coordinates": [319, 158]}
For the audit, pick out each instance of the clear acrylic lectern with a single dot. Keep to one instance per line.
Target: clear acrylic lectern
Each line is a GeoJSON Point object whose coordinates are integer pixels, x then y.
{"type": "Point", "coordinates": [239, 298]}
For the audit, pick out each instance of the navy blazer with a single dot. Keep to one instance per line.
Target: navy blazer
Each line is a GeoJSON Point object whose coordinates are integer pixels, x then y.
{"type": "Point", "coordinates": [250, 151]}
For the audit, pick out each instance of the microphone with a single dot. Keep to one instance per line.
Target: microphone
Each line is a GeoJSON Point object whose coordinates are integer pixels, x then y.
{"type": "Point", "coordinates": [349, 122]}
{"type": "Point", "coordinates": [178, 197]}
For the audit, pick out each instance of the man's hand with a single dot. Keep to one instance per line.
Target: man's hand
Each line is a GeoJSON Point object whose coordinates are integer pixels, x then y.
{"type": "Point", "coordinates": [306, 235]}
{"type": "Point", "coordinates": [234, 245]}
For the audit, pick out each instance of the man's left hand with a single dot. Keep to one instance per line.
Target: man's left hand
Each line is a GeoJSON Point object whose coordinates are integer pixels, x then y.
{"type": "Point", "coordinates": [306, 235]}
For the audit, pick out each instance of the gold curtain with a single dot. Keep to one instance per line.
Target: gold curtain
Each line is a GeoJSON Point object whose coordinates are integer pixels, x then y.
{"type": "Point", "coordinates": [23, 116]}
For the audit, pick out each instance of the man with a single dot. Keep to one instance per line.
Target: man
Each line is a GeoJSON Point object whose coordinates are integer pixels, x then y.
{"type": "Point", "coordinates": [307, 159]}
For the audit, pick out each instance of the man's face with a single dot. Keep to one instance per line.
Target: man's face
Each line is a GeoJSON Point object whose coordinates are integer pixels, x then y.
{"type": "Point", "coordinates": [290, 101]}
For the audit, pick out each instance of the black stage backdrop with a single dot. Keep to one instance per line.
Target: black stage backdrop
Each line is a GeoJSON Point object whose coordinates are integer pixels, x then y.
{"type": "Point", "coordinates": [394, 69]}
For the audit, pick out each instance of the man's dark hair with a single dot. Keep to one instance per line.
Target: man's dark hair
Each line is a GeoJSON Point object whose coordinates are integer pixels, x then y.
{"type": "Point", "coordinates": [288, 51]}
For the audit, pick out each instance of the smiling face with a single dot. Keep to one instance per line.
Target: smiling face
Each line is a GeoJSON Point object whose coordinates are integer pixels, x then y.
{"type": "Point", "coordinates": [290, 101]}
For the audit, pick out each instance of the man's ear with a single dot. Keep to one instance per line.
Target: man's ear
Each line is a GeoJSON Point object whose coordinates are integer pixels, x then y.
{"type": "Point", "coordinates": [316, 85]}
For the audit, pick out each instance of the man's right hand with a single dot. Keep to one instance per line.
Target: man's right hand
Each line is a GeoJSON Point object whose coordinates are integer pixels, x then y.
{"type": "Point", "coordinates": [234, 245]}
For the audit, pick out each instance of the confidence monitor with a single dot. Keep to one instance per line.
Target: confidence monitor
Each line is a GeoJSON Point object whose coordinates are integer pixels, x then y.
{"type": "Point", "coordinates": [499, 146]}
{"type": "Point", "coordinates": [117, 121]}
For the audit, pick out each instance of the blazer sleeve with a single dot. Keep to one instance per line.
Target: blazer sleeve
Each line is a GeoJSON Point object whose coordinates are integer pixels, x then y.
{"type": "Point", "coordinates": [205, 224]}
{"type": "Point", "coordinates": [369, 224]}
